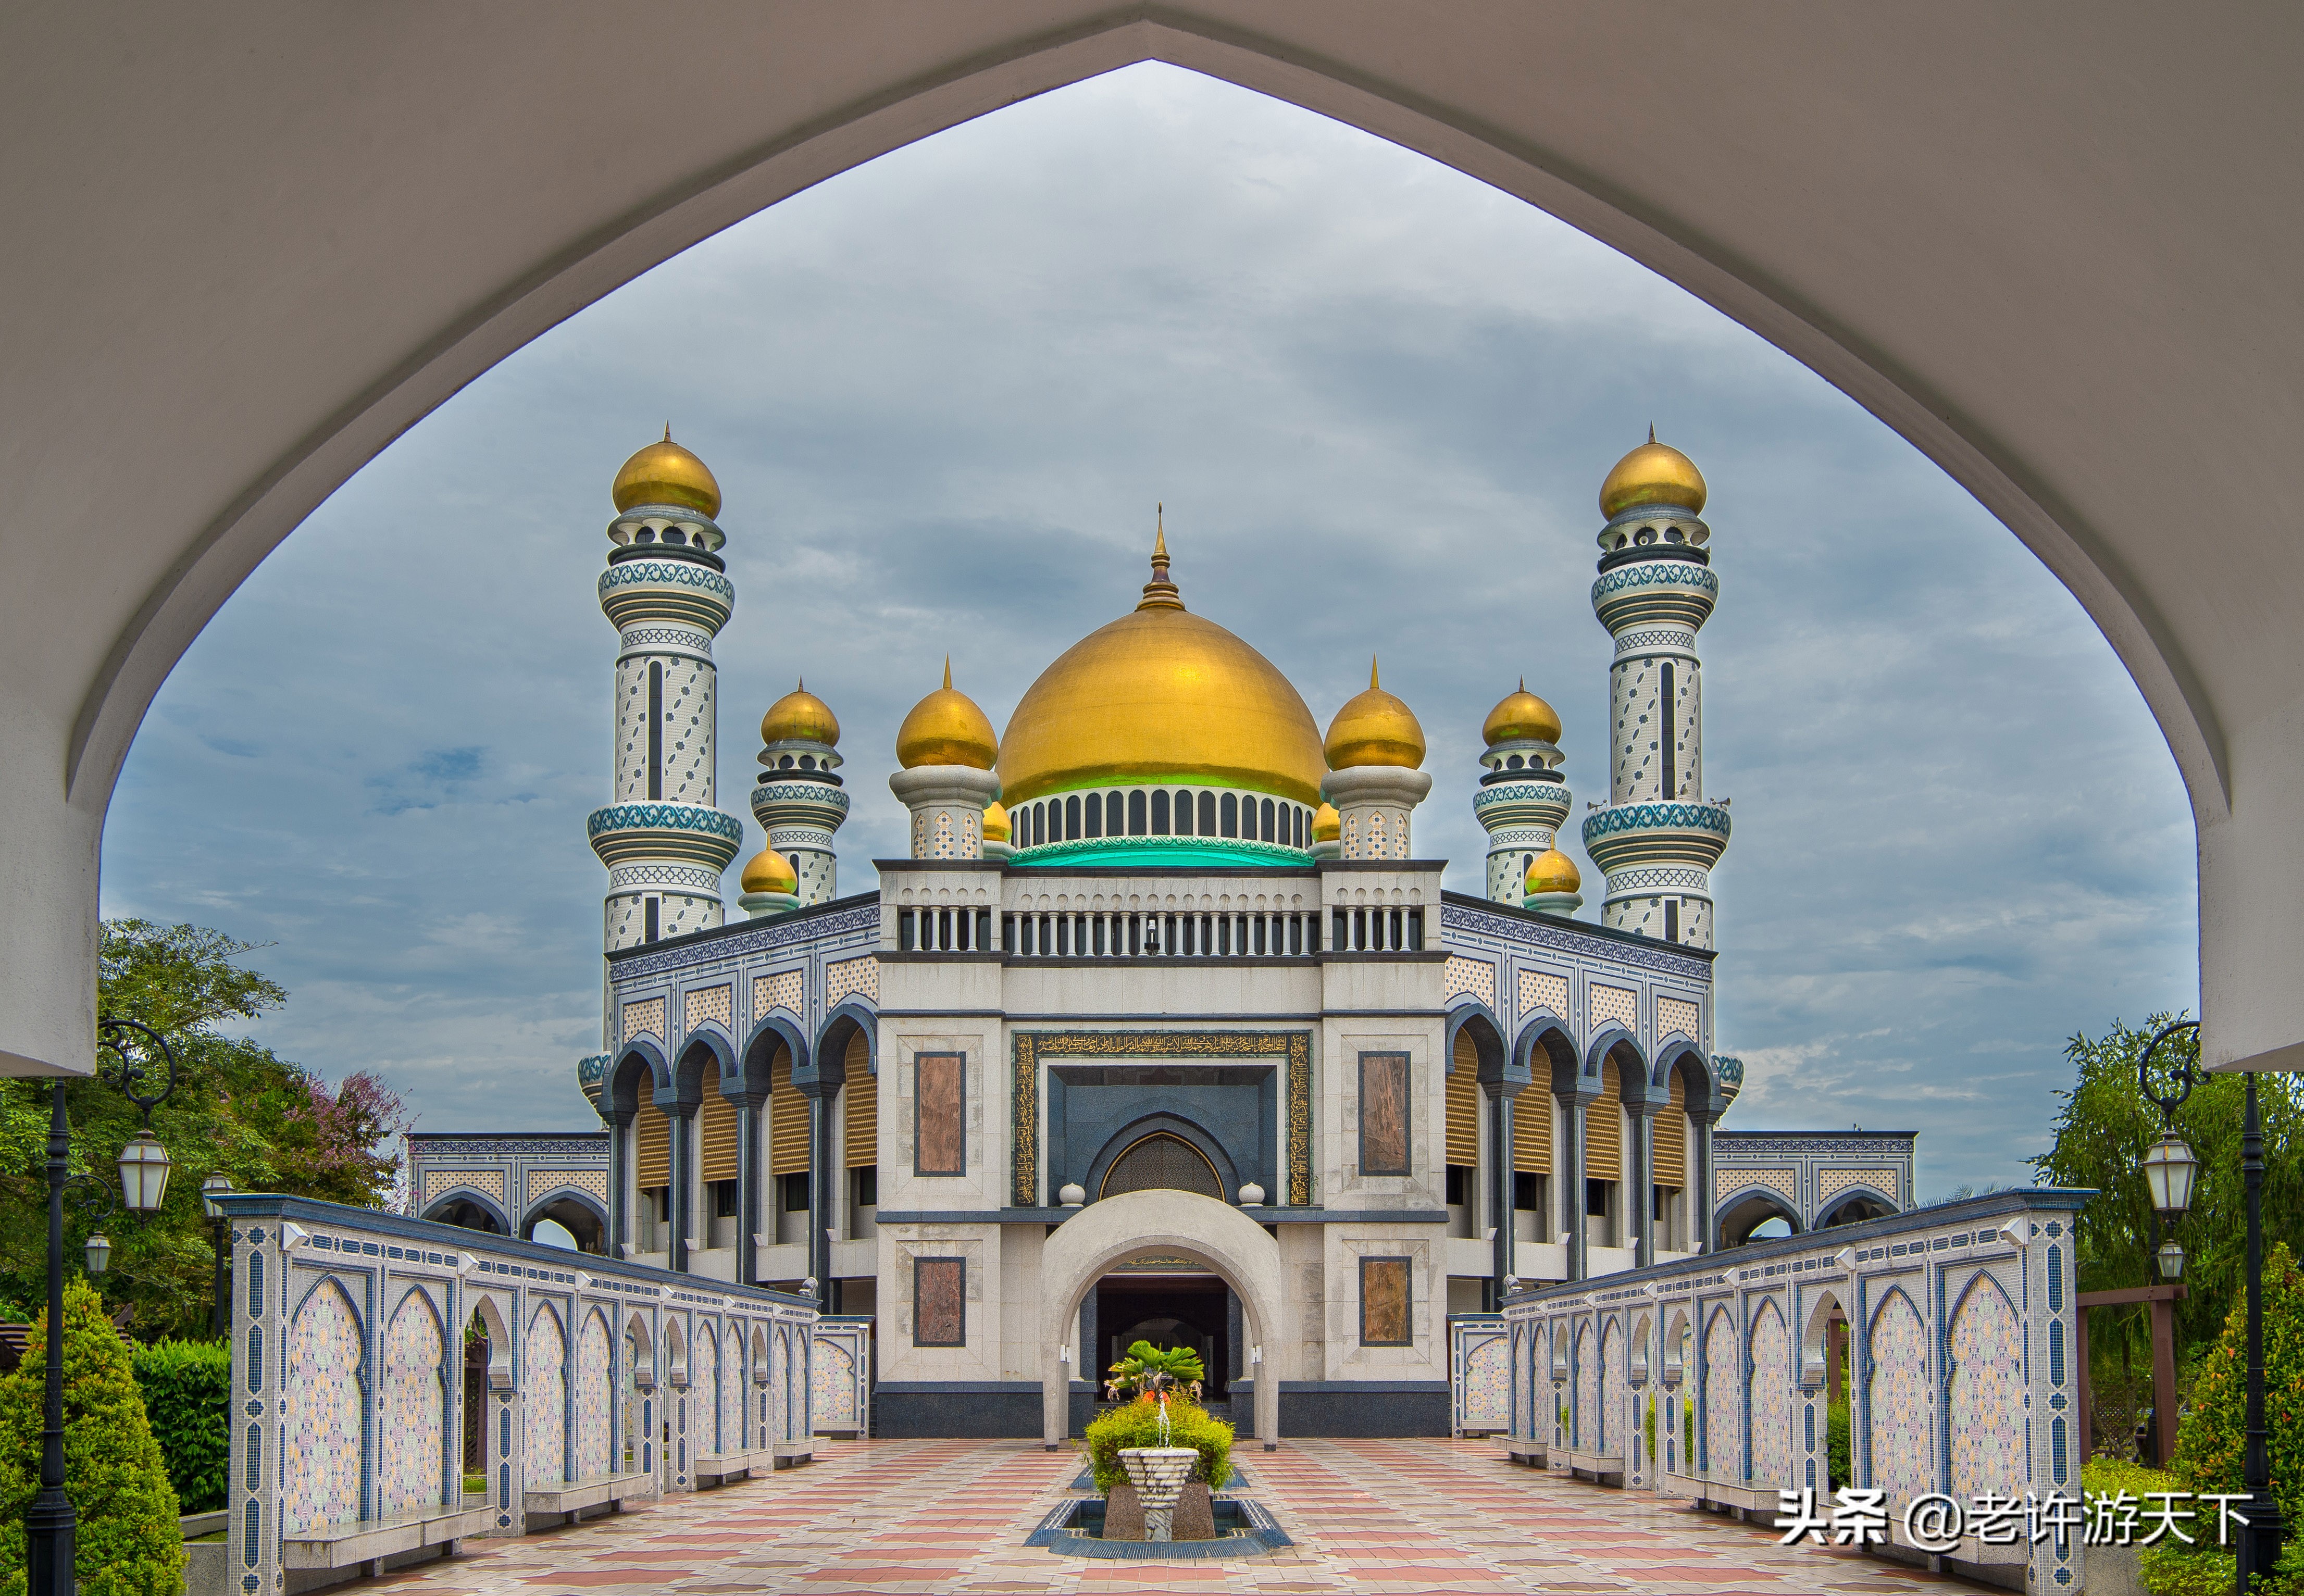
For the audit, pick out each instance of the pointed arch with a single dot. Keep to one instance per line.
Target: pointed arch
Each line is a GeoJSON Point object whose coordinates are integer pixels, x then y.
{"type": "Point", "coordinates": [411, 1417]}
{"type": "Point", "coordinates": [1984, 1403]}
{"type": "Point", "coordinates": [594, 1422]}
{"type": "Point", "coordinates": [1896, 1402]}
{"type": "Point", "coordinates": [1771, 1400]}
{"type": "Point", "coordinates": [543, 1397]}
{"type": "Point", "coordinates": [321, 1411]}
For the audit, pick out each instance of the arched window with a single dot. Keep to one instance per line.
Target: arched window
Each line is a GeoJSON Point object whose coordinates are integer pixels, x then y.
{"type": "Point", "coordinates": [1231, 815]}
{"type": "Point", "coordinates": [1136, 813]}
{"type": "Point", "coordinates": [1209, 815]}
{"type": "Point", "coordinates": [1162, 1161]}
{"type": "Point", "coordinates": [1266, 832]}
{"type": "Point", "coordinates": [1160, 813]}
{"type": "Point", "coordinates": [1095, 814]}
{"type": "Point", "coordinates": [1072, 818]}
{"type": "Point", "coordinates": [1112, 813]}
{"type": "Point", "coordinates": [1184, 815]}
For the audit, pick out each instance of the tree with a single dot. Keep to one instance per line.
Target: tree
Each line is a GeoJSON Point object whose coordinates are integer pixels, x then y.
{"type": "Point", "coordinates": [128, 1542]}
{"type": "Point", "coordinates": [269, 1124]}
{"type": "Point", "coordinates": [2102, 1135]}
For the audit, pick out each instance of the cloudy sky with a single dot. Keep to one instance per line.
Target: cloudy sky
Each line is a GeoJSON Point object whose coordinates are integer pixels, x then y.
{"type": "Point", "coordinates": [942, 394]}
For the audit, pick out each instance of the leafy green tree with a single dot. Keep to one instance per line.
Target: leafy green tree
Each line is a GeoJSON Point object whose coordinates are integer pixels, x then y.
{"type": "Point", "coordinates": [2101, 1137]}
{"type": "Point", "coordinates": [269, 1124]}
{"type": "Point", "coordinates": [128, 1543]}
{"type": "Point", "coordinates": [187, 1389]}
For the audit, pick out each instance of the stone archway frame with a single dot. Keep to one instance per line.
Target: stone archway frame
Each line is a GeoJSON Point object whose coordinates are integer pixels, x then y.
{"type": "Point", "coordinates": [1215, 1235]}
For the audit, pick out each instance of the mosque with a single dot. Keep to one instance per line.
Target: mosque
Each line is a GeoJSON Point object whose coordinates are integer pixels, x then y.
{"type": "Point", "coordinates": [1164, 1029]}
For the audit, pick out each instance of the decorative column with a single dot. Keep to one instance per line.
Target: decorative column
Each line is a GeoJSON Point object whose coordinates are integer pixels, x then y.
{"type": "Point", "coordinates": [1640, 1118]}
{"type": "Point", "coordinates": [1657, 837]}
{"type": "Point", "coordinates": [1572, 1131]}
{"type": "Point", "coordinates": [947, 749]}
{"type": "Point", "coordinates": [1706, 1208]}
{"type": "Point", "coordinates": [748, 1184]}
{"type": "Point", "coordinates": [797, 800]}
{"type": "Point", "coordinates": [666, 592]}
{"type": "Point", "coordinates": [680, 1120]}
{"type": "Point", "coordinates": [1373, 749]}
{"type": "Point", "coordinates": [1523, 798]}
{"type": "Point", "coordinates": [819, 1081]}
{"type": "Point", "coordinates": [1503, 1078]}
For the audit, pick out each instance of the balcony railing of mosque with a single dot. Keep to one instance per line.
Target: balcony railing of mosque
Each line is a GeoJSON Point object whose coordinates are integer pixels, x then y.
{"type": "Point", "coordinates": [1161, 934]}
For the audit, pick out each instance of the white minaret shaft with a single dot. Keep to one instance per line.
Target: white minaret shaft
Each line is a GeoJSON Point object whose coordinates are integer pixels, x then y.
{"type": "Point", "coordinates": [1657, 837]}
{"type": "Point", "coordinates": [668, 595]}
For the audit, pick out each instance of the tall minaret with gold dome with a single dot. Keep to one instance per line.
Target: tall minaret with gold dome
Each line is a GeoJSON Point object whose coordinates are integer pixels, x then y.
{"type": "Point", "coordinates": [1523, 797]}
{"type": "Point", "coordinates": [1657, 837]}
{"type": "Point", "coordinates": [668, 595]}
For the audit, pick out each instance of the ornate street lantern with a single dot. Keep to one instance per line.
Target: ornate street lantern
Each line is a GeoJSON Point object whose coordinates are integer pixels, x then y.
{"type": "Point", "coordinates": [2172, 1260]}
{"type": "Point", "coordinates": [144, 1172]}
{"type": "Point", "coordinates": [98, 1252]}
{"type": "Point", "coordinates": [2169, 1170]}
{"type": "Point", "coordinates": [211, 1188]}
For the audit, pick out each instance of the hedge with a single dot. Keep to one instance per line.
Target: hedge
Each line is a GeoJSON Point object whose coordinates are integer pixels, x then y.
{"type": "Point", "coordinates": [187, 1388]}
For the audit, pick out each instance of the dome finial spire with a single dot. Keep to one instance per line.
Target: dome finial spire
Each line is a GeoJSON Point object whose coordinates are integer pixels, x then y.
{"type": "Point", "coordinates": [1160, 593]}
{"type": "Point", "coordinates": [947, 672]}
{"type": "Point", "coordinates": [667, 432]}
{"type": "Point", "coordinates": [1372, 676]}
{"type": "Point", "coordinates": [1651, 432]}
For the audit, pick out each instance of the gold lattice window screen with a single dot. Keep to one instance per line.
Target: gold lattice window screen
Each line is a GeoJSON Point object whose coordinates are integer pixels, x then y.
{"type": "Point", "coordinates": [787, 1118]}
{"type": "Point", "coordinates": [651, 1147]}
{"type": "Point", "coordinates": [1677, 1014]}
{"type": "Point", "coordinates": [715, 1129]}
{"type": "Point", "coordinates": [710, 1003]}
{"type": "Point", "coordinates": [1603, 1129]}
{"type": "Point", "coordinates": [862, 1093]}
{"type": "Point", "coordinates": [644, 1019]}
{"type": "Point", "coordinates": [1539, 989]}
{"type": "Point", "coordinates": [1532, 1129]}
{"type": "Point", "coordinates": [1619, 1003]}
{"type": "Point", "coordinates": [1670, 1154]}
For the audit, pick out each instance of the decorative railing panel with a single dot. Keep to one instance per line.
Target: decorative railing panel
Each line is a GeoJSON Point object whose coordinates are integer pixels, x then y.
{"type": "Point", "coordinates": [353, 1423]}
{"type": "Point", "coordinates": [1959, 1383]}
{"type": "Point", "coordinates": [1479, 1358]}
{"type": "Point", "coordinates": [840, 1391]}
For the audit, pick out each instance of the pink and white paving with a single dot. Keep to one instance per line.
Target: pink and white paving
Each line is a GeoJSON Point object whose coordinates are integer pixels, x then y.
{"type": "Point", "coordinates": [1367, 1516]}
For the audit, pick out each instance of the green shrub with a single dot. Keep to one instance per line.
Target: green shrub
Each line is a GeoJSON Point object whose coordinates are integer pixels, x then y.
{"type": "Point", "coordinates": [1688, 1436]}
{"type": "Point", "coordinates": [2109, 1476]}
{"type": "Point", "coordinates": [2211, 1441]}
{"type": "Point", "coordinates": [1138, 1424]}
{"type": "Point", "coordinates": [129, 1543]}
{"type": "Point", "coordinates": [1836, 1445]}
{"type": "Point", "coordinates": [187, 1388]}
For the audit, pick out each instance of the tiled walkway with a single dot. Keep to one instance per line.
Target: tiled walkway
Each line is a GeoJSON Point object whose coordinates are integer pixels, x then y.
{"type": "Point", "coordinates": [1369, 1517]}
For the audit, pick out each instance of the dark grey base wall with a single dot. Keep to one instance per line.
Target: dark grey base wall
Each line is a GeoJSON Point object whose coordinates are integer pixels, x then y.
{"type": "Point", "coordinates": [1354, 1407]}
{"type": "Point", "coordinates": [1010, 1410]}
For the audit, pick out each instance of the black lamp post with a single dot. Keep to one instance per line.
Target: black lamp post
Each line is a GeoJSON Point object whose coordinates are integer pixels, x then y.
{"type": "Point", "coordinates": [2258, 1548]}
{"type": "Point", "coordinates": [213, 1187]}
{"type": "Point", "coordinates": [50, 1528]}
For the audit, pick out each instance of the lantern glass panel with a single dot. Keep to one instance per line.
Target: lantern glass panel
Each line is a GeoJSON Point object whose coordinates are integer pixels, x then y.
{"type": "Point", "coordinates": [2172, 1260]}
{"type": "Point", "coordinates": [210, 1190]}
{"type": "Point", "coordinates": [144, 1173]}
{"type": "Point", "coordinates": [2169, 1168]}
{"type": "Point", "coordinates": [98, 1253]}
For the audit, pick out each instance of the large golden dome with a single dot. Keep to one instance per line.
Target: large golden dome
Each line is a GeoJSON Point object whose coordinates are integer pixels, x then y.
{"type": "Point", "coordinates": [1653, 474]}
{"type": "Point", "coordinates": [800, 716]}
{"type": "Point", "coordinates": [946, 728]}
{"type": "Point", "coordinates": [1520, 715]}
{"type": "Point", "coordinates": [1161, 693]}
{"type": "Point", "coordinates": [1374, 728]}
{"type": "Point", "coordinates": [666, 474]}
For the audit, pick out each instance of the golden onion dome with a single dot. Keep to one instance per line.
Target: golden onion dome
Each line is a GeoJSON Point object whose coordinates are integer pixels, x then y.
{"type": "Point", "coordinates": [800, 716]}
{"type": "Point", "coordinates": [1553, 871]}
{"type": "Point", "coordinates": [768, 871]}
{"type": "Point", "coordinates": [996, 828]}
{"type": "Point", "coordinates": [946, 728]}
{"type": "Point", "coordinates": [1161, 693]}
{"type": "Point", "coordinates": [666, 474]}
{"type": "Point", "coordinates": [1374, 728]}
{"type": "Point", "coordinates": [1653, 474]}
{"type": "Point", "coordinates": [1520, 715]}
{"type": "Point", "coordinates": [1327, 825]}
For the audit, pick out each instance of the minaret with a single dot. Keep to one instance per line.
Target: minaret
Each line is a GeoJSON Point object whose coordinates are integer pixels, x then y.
{"type": "Point", "coordinates": [667, 592]}
{"type": "Point", "coordinates": [1373, 747]}
{"type": "Point", "coordinates": [1523, 797]}
{"type": "Point", "coordinates": [1657, 837]}
{"type": "Point", "coordinates": [947, 748]}
{"type": "Point", "coordinates": [799, 801]}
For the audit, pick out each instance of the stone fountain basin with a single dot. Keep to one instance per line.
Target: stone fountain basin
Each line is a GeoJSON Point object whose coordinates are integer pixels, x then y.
{"type": "Point", "coordinates": [1244, 1528]}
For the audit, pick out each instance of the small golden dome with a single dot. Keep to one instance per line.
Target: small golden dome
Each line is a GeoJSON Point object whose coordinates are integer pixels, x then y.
{"type": "Point", "coordinates": [666, 474]}
{"type": "Point", "coordinates": [1653, 474]}
{"type": "Point", "coordinates": [996, 824]}
{"type": "Point", "coordinates": [1521, 715]}
{"type": "Point", "coordinates": [1552, 872]}
{"type": "Point", "coordinates": [1327, 825]}
{"type": "Point", "coordinates": [800, 716]}
{"type": "Point", "coordinates": [946, 728]}
{"type": "Point", "coordinates": [1374, 728]}
{"type": "Point", "coordinates": [768, 871]}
